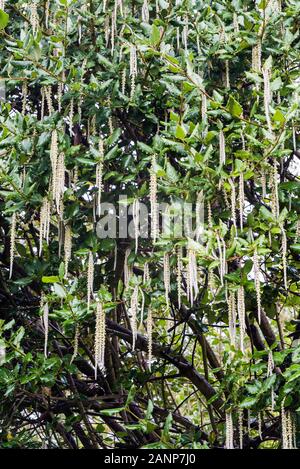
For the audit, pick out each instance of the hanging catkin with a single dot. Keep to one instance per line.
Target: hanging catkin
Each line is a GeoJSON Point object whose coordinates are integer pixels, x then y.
{"type": "Point", "coordinates": [133, 311]}
{"type": "Point", "coordinates": [90, 279]}
{"type": "Point", "coordinates": [157, 7]}
{"type": "Point", "coordinates": [178, 39]}
{"type": "Point", "coordinates": [232, 318]}
{"type": "Point", "coordinates": [45, 308]}
{"type": "Point", "coordinates": [76, 343]}
{"type": "Point", "coordinates": [211, 285]}
{"type": "Point", "coordinates": [241, 200]}
{"type": "Point", "coordinates": [263, 184]}
{"type": "Point", "coordinates": [60, 90]}
{"type": "Point", "coordinates": [54, 160]}
{"type": "Point", "coordinates": [115, 256]}
{"type": "Point", "coordinates": [127, 268]}
{"type": "Point", "coordinates": [123, 80]}
{"type": "Point", "coordinates": [46, 327]}
{"type": "Point", "coordinates": [146, 276]}
{"type": "Point", "coordinates": [271, 364]}
{"type": "Point", "coordinates": [99, 184]}
{"type": "Point", "coordinates": [43, 99]}
{"type": "Point", "coordinates": [167, 276]}
{"type": "Point", "coordinates": [267, 94]}
{"type": "Point", "coordinates": [47, 13]}
{"type": "Point", "coordinates": [99, 175]}
{"type": "Point", "coordinates": [34, 18]}
{"type": "Point", "coordinates": [221, 260]}
{"type": "Point", "coordinates": [75, 177]}
{"type": "Point", "coordinates": [150, 336]}
{"type": "Point", "coordinates": [235, 23]}
{"type": "Point", "coordinates": [192, 276]}
{"type": "Point", "coordinates": [203, 107]}
{"type": "Point", "coordinates": [229, 431]}
{"type": "Point", "coordinates": [110, 118]}
{"type": "Point", "coordinates": [199, 215]}
{"type": "Point", "coordinates": [198, 44]}
{"type": "Point", "coordinates": [44, 222]}
{"type": "Point", "coordinates": [286, 428]}
{"type": "Point", "coordinates": [297, 230]}
{"type": "Point", "coordinates": [24, 97]}
{"type": "Point", "coordinates": [67, 247]}
{"type": "Point", "coordinates": [61, 210]}
{"type": "Point", "coordinates": [209, 215]}
{"type": "Point", "coordinates": [290, 428]}
{"type": "Point", "coordinates": [106, 30]}
{"type": "Point", "coordinates": [185, 33]}
{"type": "Point", "coordinates": [153, 200]}
{"type": "Point", "coordinates": [257, 283]}
{"type": "Point", "coordinates": [136, 222]}
{"type": "Point", "coordinates": [48, 95]}
{"type": "Point", "coordinates": [256, 58]}
{"type": "Point", "coordinates": [226, 199]}
{"type": "Point", "coordinates": [71, 117]}
{"type": "Point", "coordinates": [270, 369]}
{"type": "Point", "coordinates": [241, 431]}
{"type": "Point", "coordinates": [113, 32]}
{"type": "Point", "coordinates": [224, 255]}
{"type": "Point", "coordinates": [233, 202]}
{"type": "Point", "coordinates": [274, 190]}
{"type": "Point", "coordinates": [59, 181]}
{"type": "Point", "coordinates": [100, 333]}
{"type": "Point", "coordinates": [12, 242]}
{"type": "Point", "coordinates": [259, 421]}
{"type": "Point", "coordinates": [284, 256]}
{"type": "Point", "coordinates": [241, 316]}
{"type": "Point", "coordinates": [145, 12]}
{"type": "Point", "coordinates": [142, 307]}
{"type": "Point", "coordinates": [179, 275]}
{"type": "Point", "coordinates": [222, 152]}
{"type": "Point", "coordinates": [227, 74]}
{"type": "Point", "coordinates": [132, 69]}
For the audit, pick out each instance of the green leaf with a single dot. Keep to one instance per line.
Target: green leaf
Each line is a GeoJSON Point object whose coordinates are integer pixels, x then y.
{"type": "Point", "coordinates": [59, 290]}
{"type": "Point", "coordinates": [88, 161]}
{"type": "Point", "coordinates": [155, 35]}
{"type": "Point", "coordinates": [4, 19]}
{"type": "Point", "coordinates": [276, 84]}
{"type": "Point", "coordinates": [145, 148]}
{"type": "Point", "coordinates": [268, 383]}
{"type": "Point", "coordinates": [114, 411]}
{"type": "Point", "coordinates": [234, 107]}
{"type": "Point", "coordinates": [294, 376]}
{"type": "Point", "coordinates": [180, 132]}
{"type": "Point", "coordinates": [248, 402]}
{"type": "Point", "coordinates": [167, 427]}
{"type": "Point", "coordinates": [266, 214]}
{"type": "Point", "coordinates": [283, 214]}
{"type": "Point", "coordinates": [150, 408]}
{"type": "Point", "coordinates": [51, 279]}
{"type": "Point", "coordinates": [172, 173]}
{"type": "Point", "coordinates": [61, 270]}
{"type": "Point", "coordinates": [130, 396]}
{"type": "Point", "coordinates": [278, 116]}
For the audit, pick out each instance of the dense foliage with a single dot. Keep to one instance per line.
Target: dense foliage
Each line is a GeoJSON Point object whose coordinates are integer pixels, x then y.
{"type": "Point", "coordinates": [194, 337]}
